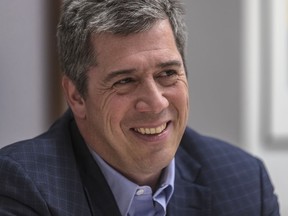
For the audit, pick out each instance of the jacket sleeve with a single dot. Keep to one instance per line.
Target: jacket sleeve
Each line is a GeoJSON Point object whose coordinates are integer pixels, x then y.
{"type": "Point", "coordinates": [18, 193]}
{"type": "Point", "coordinates": [270, 205]}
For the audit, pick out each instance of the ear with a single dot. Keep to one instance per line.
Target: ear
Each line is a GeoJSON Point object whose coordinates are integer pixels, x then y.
{"type": "Point", "coordinates": [74, 99]}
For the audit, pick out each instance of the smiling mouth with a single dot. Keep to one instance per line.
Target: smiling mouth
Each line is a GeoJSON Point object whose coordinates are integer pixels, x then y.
{"type": "Point", "coordinates": [151, 131]}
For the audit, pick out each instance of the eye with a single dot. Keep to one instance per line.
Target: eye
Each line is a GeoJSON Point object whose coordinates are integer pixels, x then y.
{"type": "Point", "coordinates": [124, 81]}
{"type": "Point", "coordinates": [167, 77]}
{"type": "Point", "coordinates": [125, 85]}
{"type": "Point", "coordinates": [170, 73]}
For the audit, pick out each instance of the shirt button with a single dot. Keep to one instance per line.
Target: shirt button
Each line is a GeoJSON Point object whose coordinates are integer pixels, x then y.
{"type": "Point", "coordinates": [139, 192]}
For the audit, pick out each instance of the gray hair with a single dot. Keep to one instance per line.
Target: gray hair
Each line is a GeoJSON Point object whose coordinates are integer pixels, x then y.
{"type": "Point", "coordinates": [81, 18]}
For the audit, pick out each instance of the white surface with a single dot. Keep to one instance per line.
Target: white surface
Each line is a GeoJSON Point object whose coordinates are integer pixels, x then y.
{"type": "Point", "coordinates": [22, 107]}
{"type": "Point", "coordinates": [279, 73]}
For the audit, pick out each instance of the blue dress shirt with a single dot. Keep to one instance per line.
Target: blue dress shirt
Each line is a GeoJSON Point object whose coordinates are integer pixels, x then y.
{"type": "Point", "coordinates": [135, 200]}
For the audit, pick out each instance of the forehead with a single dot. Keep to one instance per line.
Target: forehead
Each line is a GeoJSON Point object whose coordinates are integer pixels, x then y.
{"type": "Point", "coordinates": [111, 46]}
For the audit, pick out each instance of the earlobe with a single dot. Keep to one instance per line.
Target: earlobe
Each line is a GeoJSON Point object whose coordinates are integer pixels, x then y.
{"type": "Point", "coordinates": [74, 99]}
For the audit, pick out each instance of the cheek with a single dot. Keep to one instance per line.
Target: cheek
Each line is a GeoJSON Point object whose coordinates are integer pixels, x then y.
{"type": "Point", "coordinates": [181, 94]}
{"type": "Point", "coordinates": [180, 97]}
{"type": "Point", "coordinates": [114, 110]}
{"type": "Point", "coordinates": [185, 90]}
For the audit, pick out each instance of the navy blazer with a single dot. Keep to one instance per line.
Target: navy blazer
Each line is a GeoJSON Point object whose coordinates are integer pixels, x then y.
{"type": "Point", "coordinates": [55, 174]}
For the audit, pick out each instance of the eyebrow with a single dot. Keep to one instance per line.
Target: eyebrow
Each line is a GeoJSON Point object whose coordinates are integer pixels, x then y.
{"type": "Point", "coordinates": [170, 63]}
{"type": "Point", "coordinates": [116, 73]}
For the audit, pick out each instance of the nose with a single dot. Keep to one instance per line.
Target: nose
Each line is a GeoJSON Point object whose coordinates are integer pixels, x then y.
{"type": "Point", "coordinates": [151, 97]}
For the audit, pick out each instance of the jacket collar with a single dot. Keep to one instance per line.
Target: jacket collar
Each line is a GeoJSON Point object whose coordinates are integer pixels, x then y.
{"type": "Point", "coordinates": [98, 193]}
{"type": "Point", "coordinates": [190, 198]}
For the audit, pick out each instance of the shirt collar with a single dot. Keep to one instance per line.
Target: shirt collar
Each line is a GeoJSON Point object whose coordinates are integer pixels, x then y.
{"type": "Point", "coordinates": [124, 190]}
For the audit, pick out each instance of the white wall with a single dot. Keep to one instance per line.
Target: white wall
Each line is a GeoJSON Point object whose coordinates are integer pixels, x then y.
{"type": "Point", "coordinates": [221, 57]}
{"type": "Point", "coordinates": [22, 84]}
{"type": "Point", "coordinates": [214, 67]}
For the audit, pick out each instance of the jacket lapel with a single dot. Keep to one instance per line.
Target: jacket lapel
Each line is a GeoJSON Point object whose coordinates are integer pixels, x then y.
{"type": "Point", "coordinates": [189, 197]}
{"type": "Point", "coordinates": [98, 192]}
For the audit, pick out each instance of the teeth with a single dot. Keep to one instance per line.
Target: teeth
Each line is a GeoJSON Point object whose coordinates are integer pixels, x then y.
{"type": "Point", "coordinates": [156, 130]}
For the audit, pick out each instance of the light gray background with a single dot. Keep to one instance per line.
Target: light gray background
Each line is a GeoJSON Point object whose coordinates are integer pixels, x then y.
{"type": "Point", "coordinates": [214, 67]}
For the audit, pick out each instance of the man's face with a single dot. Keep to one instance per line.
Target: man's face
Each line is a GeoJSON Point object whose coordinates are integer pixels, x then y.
{"type": "Point", "coordinates": [137, 103]}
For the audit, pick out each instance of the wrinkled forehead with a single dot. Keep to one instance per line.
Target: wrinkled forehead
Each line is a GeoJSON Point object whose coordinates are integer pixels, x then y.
{"type": "Point", "coordinates": [159, 36]}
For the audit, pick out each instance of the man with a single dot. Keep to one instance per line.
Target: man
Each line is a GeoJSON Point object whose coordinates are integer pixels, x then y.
{"type": "Point", "coordinates": [123, 147]}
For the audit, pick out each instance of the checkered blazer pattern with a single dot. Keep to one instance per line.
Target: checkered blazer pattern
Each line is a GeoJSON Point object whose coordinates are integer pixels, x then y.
{"type": "Point", "coordinates": [54, 174]}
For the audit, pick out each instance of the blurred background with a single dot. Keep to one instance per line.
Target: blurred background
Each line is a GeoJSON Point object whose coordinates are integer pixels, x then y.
{"type": "Point", "coordinates": [230, 64]}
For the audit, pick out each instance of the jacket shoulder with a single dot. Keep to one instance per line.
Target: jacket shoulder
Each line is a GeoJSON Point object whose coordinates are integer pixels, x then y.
{"type": "Point", "coordinates": [57, 138]}
{"type": "Point", "coordinates": [43, 168]}
{"type": "Point", "coordinates": [234, 177]}
{"type": "Point", "coordinates": [208, 149]}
